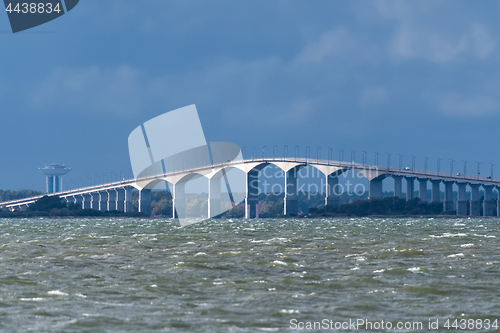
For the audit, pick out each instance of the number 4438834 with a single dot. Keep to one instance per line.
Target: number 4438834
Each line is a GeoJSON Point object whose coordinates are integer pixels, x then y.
{"type": "Point", "coordinates": [33, 8]}
{"type": "Point", "coordinates": [470, 324]}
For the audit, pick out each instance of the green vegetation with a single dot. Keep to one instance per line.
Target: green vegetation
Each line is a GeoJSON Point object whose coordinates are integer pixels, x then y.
{"type": "Point", "coordinates": [54, 206]}
{"type": "Point", "coordinates": [271, 205]}
{"type": "Point", "coordinates": [386, 206]}
{"type": "Point", "coordinates": [15, 195]}
{"type": "Point", "coordinates": [46, 204]}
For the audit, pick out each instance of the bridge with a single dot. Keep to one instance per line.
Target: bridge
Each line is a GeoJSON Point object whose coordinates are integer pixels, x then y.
{"type": "Point", "coordinates": [118, 195]}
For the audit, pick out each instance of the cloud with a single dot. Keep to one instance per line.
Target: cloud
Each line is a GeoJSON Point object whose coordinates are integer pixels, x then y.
{"type": "Point", "coordinates": [332, 43]}
{"type": "Point", "coordinates": [457, 105]}
{"type": "Point", "coordinates": [90, 90]}
{"type": "Point", "coordinates": [434, 32]}
{"type": "Point", "coordinates": [418, 42]}
{"type": "Point", "coordinates": [373, 96]}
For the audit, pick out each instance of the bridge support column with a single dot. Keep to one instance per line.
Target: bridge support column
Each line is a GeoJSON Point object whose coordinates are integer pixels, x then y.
{"type": "Point", "coordinates": [410, 188]}
{"type": "Point", "coordinates": [448, 195]}
{"type": "Point", "coordinates": [435, 191]}
{"type": "Point", "coordinates": [422, 189]}
{"type": "Point", "coordinates": [111, 200]}
{"type": "Point", "coordinates": [78, 200]}
{"type": "Point", "coordinates": [462, 199]}
{"type": "Point", "coordinates": [86, 199]}
{"type": "Point", "coordinates": [145, 201]}
{"type": "Point", "coordinates": [291, 199]}
{"type": "Point", "coordinates": [214, 197]}
{"type": "Point", "coordinates": [398, 186]}
{"type": "Point", "coordinates": [120, 199]}
{"type": "Point", "coordinates": [252, 195]}
{"type": "Point", "coordinates": [475, 204]}
{"type": "Point", "coordinates": [488, 203]}
{"type": "Point", "coordinates": [375, 188]}
{"type": "Point", "coordinates": [103, 201]}
{"type": "Point", "coordinates": [94, 200]}
{"type": "Point", "coordinates": [129, 207]}
{"type": "Point", "coordinates": [332, 195]}
{"type": "Point", "coordinates": [179, 201]}
{"type": "Point", "coordinates": [498, 201]}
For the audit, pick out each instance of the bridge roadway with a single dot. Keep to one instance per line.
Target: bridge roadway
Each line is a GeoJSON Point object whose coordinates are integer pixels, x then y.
{"type": "Point", "coordinates": [118, 195]}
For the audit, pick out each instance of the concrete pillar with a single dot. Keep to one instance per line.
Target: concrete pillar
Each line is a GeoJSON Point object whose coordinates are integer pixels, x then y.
{"type": "Point", "coordinates": [498, 201]}
{"type": "Point", "coordinates": [94, 200]}
{"type": "Point", "coordinates": [475, 204]}
{"type": "Point", "coordinates": [375, 188]}
{"type": "Point", "coordinates": [145, 201]}
{"type": "Point", "coordinates": [111, 200]}
{"type": "Point", "coordinates": [462, 199]}
{"type": "Point", "coordinates": [410, 188]}
{"type": "Point", "coordinates": [488, 203]}
{"type": "Point", "coordinates": [422, 189]}
{"type": "Point", "coordinates": [291, 198]}
{"type": "Point", "coordinates": [103, 201]}
{"type": "Point", "coordinates": [78, 200]}
{"type": "Point", "coordinates": [120, 199]}
{"type": "Point", "coordinates": [179, 201]}
{"type": "Point", "coordinates": [86, 198]}
{"type": "Point", "coordinates": [332, 192]}
{"type": "Point", "coordinates": [398, 186]}
{"type": "Point", "coordinates": [435, 191]}
{"type": "Point", "coordinates": [129, 207]}
{"type": "Point", "coordinates": [50, 184]}
{"type": "Point", "coordinates": [448, 195]}
{"type": "Point", "coordinates": [252, 195]}
{"type": "Point", "coordinates": [57, 184]}
{"type": "Point", "coordinates": [214, 197]}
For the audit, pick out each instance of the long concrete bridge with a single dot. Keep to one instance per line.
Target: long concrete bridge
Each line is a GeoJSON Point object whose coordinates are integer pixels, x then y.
{"type": "Point", "coordinates": [118, 195]}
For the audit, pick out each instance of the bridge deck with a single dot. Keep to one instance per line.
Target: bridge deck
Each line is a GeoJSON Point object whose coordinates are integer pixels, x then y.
{"type": "Point", "coordinates": [372, 170]}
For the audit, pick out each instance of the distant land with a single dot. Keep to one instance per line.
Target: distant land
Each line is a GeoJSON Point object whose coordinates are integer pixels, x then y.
{"type": "Point", "coordinates": [271, 206]}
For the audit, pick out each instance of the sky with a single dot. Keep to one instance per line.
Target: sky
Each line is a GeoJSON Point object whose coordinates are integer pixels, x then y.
{"type": "Point", "coordinates": [415, 78]}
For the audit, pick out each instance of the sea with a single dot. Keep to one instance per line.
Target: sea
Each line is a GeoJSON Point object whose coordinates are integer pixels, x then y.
{"type": "Point", "coordinates": [264, 275]}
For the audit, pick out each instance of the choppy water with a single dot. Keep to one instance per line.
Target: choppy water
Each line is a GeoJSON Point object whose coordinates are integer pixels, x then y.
{"type": "Point", "coordinates": [139, 275]}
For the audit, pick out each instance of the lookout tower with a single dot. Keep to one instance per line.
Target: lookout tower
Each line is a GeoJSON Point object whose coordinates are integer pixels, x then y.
{"type": "Point", "coordinates": [53, 174]}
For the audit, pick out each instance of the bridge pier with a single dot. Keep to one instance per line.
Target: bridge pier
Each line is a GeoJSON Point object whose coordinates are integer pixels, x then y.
{"type": "Point", "coordinates": [103, 201]}
{"type": "Point", "coordinates": [410, 188]}
{"type": "Point", "coordinates": [94, 200]}
{"type": "Point", "coordinates": [145, 201]}
{"type": "Point", "coordinates": [448, 195]}
{"type": "Point", "coordinates": [252, 195]}
{"type": "Point", "coordinates": [498, 201]}
{"type": "Point", "coordinates": [86, 199]}
{"type": "Point", "coordinates": [462, 199]}
{"type": "Point", "coordinates": [398, 186]}
{"type": "Point", "coordinates": [332, 195]}
{"type": "Point", "coordinates": [475, 204]}
{"type": "Point", "coordinates": [78, 200]}
{"type": "Point", "coordinates": [120, 199]}
{"type": "Point", "coordinates": [111, 200]}
{"type": "Point", "coordinates": [179, 200]}
{"type": "Point", "coordinates": [488, 203]}
{"type": "Point", "coordinates": [214, 197]}
{"type": "Point", "coordinates": [435, 191]}
{"type": "Point", "coordinates": [375, 188]}
{"type": "Point", "coordinates": [291, 199]}
{"type": "Point", "coordinates": [129, 207]}
{"type": "Point", "coordinates": [422, 189]}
